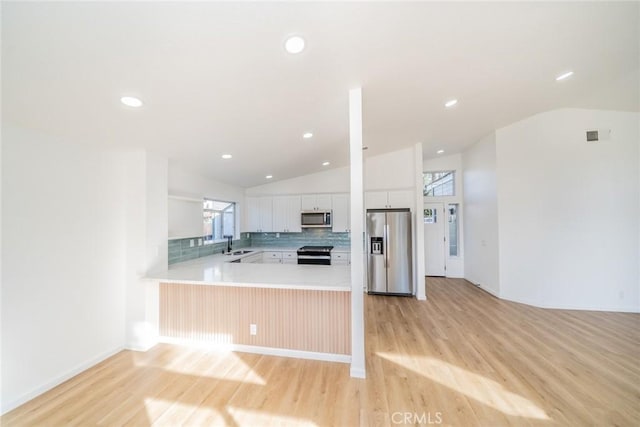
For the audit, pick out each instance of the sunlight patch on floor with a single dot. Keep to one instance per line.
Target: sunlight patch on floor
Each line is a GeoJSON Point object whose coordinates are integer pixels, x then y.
{"type": "Point", "coordinates": [156, 407]}
{"type": "Point", "coordinates": [475, 386]}
{"type": "Point", "coordinates": [241, 371]}
{"type": "Point", "coordinates": [251, 418]}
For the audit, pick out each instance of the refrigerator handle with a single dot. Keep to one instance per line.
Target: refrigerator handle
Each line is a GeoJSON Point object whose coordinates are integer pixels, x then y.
{"type": "Point", "coordinates": [386, 244]}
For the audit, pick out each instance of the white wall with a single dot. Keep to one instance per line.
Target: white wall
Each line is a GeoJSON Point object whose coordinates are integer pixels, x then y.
{"type": "Point", "coordinates": [387, 171]}
{"type": "Point", "coordinates": [390, 171]}
{"type": "Point", "coordinates": [1, 287]}
{"type": "Point", "coordinates": [146, 234]}
{"type": "Point", "coordinates": [63, 293]}
{"type": "Point", "coordinates": [569, 211]}
{"type": "Point", "coordinates": [329, 181]}
{"type": "Point", "coordinates": [185, 217]}
{"type": "Point", "coordinates": [480, 214]}
{"type": "Point", "coordinates": [455, 265]}
{"type": "Point", "coordinates": [183, 221]}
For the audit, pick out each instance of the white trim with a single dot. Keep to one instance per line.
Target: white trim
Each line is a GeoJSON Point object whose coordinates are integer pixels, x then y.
{"type": "Point", "coordinates": [6, 407]}
{"type": "Point", "coordinates": [269, 351]}
{"type": "Point", "coordinates": [420, 278]}
{"type": "Point", "coordinates": [357, 373]}
{"type": "Point", "coordinates": [573, 307]}
{"type": "Point", "coordinates": [487, 290]}
{"type": "Point", "coordinates": [185, 198]}
{"type": "Point", "coordinates": [559, 307]}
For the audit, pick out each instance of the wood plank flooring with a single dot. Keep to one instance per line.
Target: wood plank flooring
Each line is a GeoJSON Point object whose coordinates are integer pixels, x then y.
{"type": "Point", "coordinates": [462, 358]}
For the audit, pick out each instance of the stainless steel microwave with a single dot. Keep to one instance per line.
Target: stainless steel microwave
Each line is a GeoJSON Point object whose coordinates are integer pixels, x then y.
{"type": "Point", "coordinates": [315, 219]}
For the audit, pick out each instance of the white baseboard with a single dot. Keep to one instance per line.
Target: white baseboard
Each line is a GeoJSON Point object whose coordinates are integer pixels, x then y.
{"type": "Point", "coordinates": [6, 407]}
{"type": "Point", "coordinates": [559, 306]}
{"type": "Point", "coordinates": [357, 373]}
{"type": "Point", "coordinates": [270, 351]}
{"type": "Point", "coordinates": [489, 291]}
{"type": "Point", "coordinates": [575, 307]}
{"type": "Point", "coordinates": [141, 347]}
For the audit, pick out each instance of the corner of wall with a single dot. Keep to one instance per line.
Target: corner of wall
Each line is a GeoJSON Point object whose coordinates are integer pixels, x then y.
{"type": "Point", "coordinates": [480, 214]}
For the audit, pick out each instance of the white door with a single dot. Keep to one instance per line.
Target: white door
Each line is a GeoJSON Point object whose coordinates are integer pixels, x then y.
{"type": "Point", "coordinates": [434, 243]}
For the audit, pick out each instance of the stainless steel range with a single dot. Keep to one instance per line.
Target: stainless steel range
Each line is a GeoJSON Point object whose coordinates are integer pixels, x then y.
{"type": "Point", "coordinates": [318, 255]}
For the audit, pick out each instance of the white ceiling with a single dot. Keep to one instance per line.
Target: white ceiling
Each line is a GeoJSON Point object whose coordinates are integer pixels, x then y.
{"type": "Point", "coordinates": [215, 78]}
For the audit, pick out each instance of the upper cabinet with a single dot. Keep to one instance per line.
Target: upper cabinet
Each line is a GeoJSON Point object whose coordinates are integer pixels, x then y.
{"type": "Point", "coordinates": [341, 219]}
{"type": "Point", "coordinates": [259, 214]}
{"type": "Point", "coordinates": [316, 202]}
{"type": "Point", "coordinates": [286, 214]}
{"type": "Point", "coordinates": [388, 199]}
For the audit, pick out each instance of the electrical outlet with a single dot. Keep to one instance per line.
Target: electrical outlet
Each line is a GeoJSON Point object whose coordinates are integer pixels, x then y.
{"type": "Point", "coordinates": [253, 329]}
{"type": "Point", "coordinates": [199, 242]}
{"type": "Point", "coordinates": [277, 235]}
{"type": "Point", "coordinates": [191, 244]}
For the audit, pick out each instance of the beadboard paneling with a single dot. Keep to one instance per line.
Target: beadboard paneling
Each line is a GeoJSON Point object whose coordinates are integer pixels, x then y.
{"type": "Point", "coordinates": [307, 320]}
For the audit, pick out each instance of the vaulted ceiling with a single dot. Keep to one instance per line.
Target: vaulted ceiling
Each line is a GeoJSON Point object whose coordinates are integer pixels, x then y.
{"type": "Point", "coordinates": [215, 78]}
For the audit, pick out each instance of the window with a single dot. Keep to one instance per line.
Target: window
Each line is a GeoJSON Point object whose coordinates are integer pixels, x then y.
{"type": "Point", "coordinates": [430, 216]}
{"type": "Point", "coordinates": [437, 184]}
{"type": "Point", "coordinates": [219, 220]}
{"type": "Point", "coordinates": [453, 229]}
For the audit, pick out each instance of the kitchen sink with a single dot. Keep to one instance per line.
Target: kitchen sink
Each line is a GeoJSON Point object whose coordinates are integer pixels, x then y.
{"type": "Point", "coordinates": [241, 252]}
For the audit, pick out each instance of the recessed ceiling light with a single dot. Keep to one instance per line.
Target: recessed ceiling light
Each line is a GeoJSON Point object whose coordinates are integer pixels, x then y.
{"type": "Point", "coordinates": [307, 135]}
{"type": "Point", "coordinates": [451, 103]}
{"type": "Point", "coordinates": [440, 151]}
{"type": "Point", "coordinates": [269, 176]}
{"type": "Point", "coordinates": [325, 163]}
{"type": "Point", "coordinates": [294, 44]}
{"type": "Point", "coordinates": [131, 101]}
{"type": "Point", "coordinates": [227, 156]}
{"type": "Point", "coordinates": [564, 76]}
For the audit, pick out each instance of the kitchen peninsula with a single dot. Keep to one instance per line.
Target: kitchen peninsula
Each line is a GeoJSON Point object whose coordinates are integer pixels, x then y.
{"type": "Point", "coordinates": [273, 308]}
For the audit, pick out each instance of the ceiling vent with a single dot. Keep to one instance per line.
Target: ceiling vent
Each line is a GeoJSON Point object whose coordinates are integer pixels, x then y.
{"type": "Point", "coordinates": [598, 135]}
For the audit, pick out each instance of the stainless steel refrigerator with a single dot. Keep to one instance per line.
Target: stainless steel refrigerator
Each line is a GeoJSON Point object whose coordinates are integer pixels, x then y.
{"type": "Point", "coordinates": [389, 261]}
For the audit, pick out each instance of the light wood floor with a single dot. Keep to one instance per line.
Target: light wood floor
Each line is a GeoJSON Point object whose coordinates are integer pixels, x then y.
{"type": "Point", "coordinates": [463, 358]}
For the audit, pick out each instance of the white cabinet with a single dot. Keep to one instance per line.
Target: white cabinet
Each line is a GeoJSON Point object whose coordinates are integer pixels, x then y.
{"type": "Point", "coordinates": [341, 219]}
{"type": "Point", "coordinates": [316, 202]}
{"type": "Point", "coordinates": [388, 199]}
{"type": "Point", "coordinates": [401, 199]}
{"type": "Point", "coordinates": [259, 214]}
{"type": "Point", "coordinates": [272, 257]}
{"type": "Point", "coordinates": [286, 214]}
{"type": "Point", "coordinates": [289, 257]}
{"type": "Point", "coordinates": [340, 258]}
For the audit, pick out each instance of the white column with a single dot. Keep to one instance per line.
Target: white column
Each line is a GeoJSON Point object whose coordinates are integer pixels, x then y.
{"type": "Point", "coordinates": [146, 231]}
{"type": "Point", "coordinates": [419, 226]}
{"type": "Point", "coordinates": [357, 233]}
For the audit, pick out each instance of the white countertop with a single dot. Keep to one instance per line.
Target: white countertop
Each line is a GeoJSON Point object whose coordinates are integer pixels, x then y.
{"type": "Point", "coordinates": [218, 270]}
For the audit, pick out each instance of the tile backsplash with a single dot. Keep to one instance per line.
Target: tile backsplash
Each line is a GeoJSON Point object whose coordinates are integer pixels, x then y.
{"type": "Point", "coordinates": [309, 236]}
{"type": "Point", "coordinates": [181, 250]}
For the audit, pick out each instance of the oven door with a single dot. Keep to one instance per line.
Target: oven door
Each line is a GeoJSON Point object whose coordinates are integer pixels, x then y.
{"type": "Point", "coordinates": [314, 259]}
